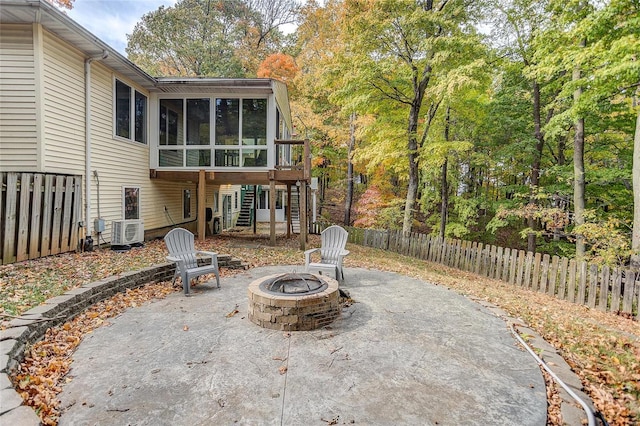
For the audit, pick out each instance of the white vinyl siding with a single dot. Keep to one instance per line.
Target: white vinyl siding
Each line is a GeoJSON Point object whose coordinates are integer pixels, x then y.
{"type": "Point", "coordinates": [18, 118]}
{"type": "Point", "coordinates": [64, 110]}
{"type": "Point", "coordinates": [119, 163]}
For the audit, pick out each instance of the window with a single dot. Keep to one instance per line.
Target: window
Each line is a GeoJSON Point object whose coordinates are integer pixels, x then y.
{"type": "Point", "coordinates": [186, 203]}
{"type": "Point", "coordinates": [198, 121]}
{"type": "Point", "coordinates": [171, 122]}
{"type": "Point", "coordinates": [254, 122]}
{"type": "Point", "coordinates": [236, 199]}
{"type": "Point", "coordinates": [216, 202]}
{"type": "Point", "coordinates": [212, 132]}
{"type": "Point", "coordinates": [130, 113]}
{"type": "Point", "coordinates": [227, 121]}
{"type": "Point", "coordinates": [131, 202]}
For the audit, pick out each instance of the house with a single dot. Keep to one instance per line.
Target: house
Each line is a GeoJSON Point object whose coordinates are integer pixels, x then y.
{"type": "Point", "coordinates": [94, 150]}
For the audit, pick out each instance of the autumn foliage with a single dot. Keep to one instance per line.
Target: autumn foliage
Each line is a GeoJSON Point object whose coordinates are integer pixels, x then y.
{"type": "Point", "coordinates": [279, 66]}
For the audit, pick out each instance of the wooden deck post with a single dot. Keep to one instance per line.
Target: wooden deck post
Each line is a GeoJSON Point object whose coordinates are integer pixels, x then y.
{"type": "Point", "coordinates": [288, 210]}
{"type": "Point", "coordinates": [202, 199]}
{"type": "Point", "coordinates": [303, 215]}
{"type": "Point", "coordinates": [272, 212]}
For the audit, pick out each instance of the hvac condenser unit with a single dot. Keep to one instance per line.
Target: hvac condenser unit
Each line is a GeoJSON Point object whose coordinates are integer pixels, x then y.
{"type": "Point", "coordinates": [125, 232]}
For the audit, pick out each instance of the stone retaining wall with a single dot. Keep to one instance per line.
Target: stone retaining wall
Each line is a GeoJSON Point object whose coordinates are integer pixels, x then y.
{"type": "Point", "coordinates": [31, 326]}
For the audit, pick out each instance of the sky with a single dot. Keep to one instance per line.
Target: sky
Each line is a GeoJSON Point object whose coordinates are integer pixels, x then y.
{"type": "Point", "coordinates": [112, 20]}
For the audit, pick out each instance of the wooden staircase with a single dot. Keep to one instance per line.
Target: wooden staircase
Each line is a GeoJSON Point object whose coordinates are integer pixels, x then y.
{"type": "Point", "coordinates": [246, 210]}
{"type": "Point", "coordinates": [295, 210]}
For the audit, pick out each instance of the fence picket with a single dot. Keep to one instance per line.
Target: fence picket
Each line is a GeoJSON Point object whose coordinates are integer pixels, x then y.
{"type": "Point", "coordinates": [478, 264]}
{"type": "Point", "coordinates": [36, 217]}
{"type": "Point", "coordinates": [553, 275]}
{"type": "Point", "coordinates": [593, 286]}
{"type": "Point", "coordinates": [497, 262]}
{"type": "Point", "coordinates": [527, 270]}
{"type": "Point", "coordinates": [628, 292]}
{"type": "Point", "coordinates": [47, 215]}
{"type": "Point", "coordinates": [8, 253]}
{"type": "Point", "coordinates": [603, 297]}
{"type": "Point", "coordinates": [513, 264]}
{"type": "Point", "coordinates": [66, 214]}
{"type": "Point", "coordinates": [23, 217]}
{"type": "Point", "coordinates": [456, 253]}
{"type": "Point", "coordinates": [564, 264]}
{"type": "Point", "coordinates": [544, 273]}
{"type": "Point", "coordinates": [582, 282]}
{"type": "Point", "coordinates": [519, 275]}
{"type": "Point", "coordinates": [504, 276]}
{"type": "Point", "coordinates": [491, 261]}
{"type": "Point", "coordinates": [573, 280]}
{"type": "Point", "coordinates": [470, 256]}
{"type": "Point", "coordinates": [535, 278]}
{"type": "Point", "coordinates": [616, 289]}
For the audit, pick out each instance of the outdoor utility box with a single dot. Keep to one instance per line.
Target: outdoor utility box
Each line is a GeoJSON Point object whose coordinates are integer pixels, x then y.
{"type": "Point", "coordinates": [98, 225]}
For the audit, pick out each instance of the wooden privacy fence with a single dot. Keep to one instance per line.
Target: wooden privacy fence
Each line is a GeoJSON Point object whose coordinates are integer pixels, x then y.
{"type": "Point", "coordinates": [39, 215]}
{"type": "Point", "coordinates": [601, 287]}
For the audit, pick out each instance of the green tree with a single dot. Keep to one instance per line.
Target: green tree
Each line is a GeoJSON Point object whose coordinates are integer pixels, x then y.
{"type": "Point", "coordinates": [401, 48]}
{"type": "Point", "coordinates": [593, 44]}
{"type": "Point", "coordinates": [192, 38]}
{"type": "Point", "coordinates": [215, 38]}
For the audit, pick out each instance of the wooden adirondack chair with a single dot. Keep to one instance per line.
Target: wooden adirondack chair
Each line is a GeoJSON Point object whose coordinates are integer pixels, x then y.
{"type": "Point", "coordinates": [180, 244]}
{"type": "Point", "coordinates": [333, 241]}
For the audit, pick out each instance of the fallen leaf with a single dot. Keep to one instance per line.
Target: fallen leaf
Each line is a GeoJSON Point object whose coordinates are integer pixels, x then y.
{"type": "Point", "coordinates": [232, 313]}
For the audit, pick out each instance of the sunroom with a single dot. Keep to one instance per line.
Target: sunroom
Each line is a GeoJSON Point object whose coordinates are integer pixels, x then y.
{"type": "Point", "coordinates": [229, 132]}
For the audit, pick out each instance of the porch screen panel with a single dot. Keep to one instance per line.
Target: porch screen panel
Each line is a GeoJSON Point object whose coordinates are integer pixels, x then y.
{"type": "Point", "coordinates": [227, 122]}
{"type": "Point", "coordinates": [254, 157]}
{"type": "Point", "coordinates": [198, 157]}
{"type": "Point", "coordinates": [254, 121]}
{"type": "Point", "coordinates": [171, 131]}
{"type": "Point", "coordinates": [198, 126]}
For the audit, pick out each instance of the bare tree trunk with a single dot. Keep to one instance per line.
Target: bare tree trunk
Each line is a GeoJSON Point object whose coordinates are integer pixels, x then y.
{"type": "Point", "coordinates": [578, 171]}
{"type": "Point", "coordinates": [535, 166]}
{"type": "Point", "coordinates": [412, 148]}
{"type": "Point", "coordinates": [444, 193]}
{"type": "Point", "coordinates": [635, 237]}
{"type": "Point", "coordinates": [444, 189]}
{"type": "Point", "coordinates": [352, 144]}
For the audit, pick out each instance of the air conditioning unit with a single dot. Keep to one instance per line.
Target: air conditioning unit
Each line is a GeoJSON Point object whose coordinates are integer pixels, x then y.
{"type": "Point", "coordinates": [125, 232]}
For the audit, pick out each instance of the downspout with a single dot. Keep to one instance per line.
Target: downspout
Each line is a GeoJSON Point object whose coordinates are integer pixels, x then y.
{"type": "Point", "coordinates": [88, 245]}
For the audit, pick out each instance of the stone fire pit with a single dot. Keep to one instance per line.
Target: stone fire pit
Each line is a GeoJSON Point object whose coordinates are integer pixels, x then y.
{"type": "Point", "coordinates": [293, 301]}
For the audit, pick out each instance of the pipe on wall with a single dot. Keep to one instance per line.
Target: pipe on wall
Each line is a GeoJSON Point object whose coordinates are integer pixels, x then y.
{"type": "Point", "coordinates": [87, 136]}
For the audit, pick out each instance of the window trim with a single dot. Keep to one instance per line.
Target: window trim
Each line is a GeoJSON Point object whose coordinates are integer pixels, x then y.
{"type": "Point", "coordinates": [132, 113]}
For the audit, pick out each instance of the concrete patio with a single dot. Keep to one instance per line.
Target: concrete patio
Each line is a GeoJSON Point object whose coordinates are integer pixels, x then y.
{"type": "Point", "coordinates": [406, 352]}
